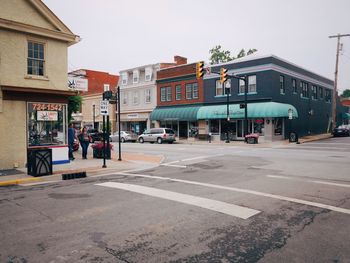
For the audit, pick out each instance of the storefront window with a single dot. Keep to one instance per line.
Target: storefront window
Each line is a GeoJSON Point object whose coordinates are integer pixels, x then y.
{"type": "Point", "coordinates": [278, 126]}
{"type": "Point", "coordinates": [259, 126]}
{"type": "Point", "coordinates": [46, 124]}
{"type": "Point", "coordinates": [214, 126]}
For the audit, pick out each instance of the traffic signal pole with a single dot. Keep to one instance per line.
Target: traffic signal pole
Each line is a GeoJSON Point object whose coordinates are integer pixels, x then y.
{"type": "Point", "coordinates": [245, 106]}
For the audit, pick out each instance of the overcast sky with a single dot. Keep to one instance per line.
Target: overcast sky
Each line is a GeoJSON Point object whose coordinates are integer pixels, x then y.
{"type": "Point", "coordinates": [119, 34]}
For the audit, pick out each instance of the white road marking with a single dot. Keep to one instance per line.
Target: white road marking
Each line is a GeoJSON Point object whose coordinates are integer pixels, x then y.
{"type": "Point", "coordinates": [279, 197]}
{"type": "Point", "coordinates": [174, 165]}
{"type": "Point", "coordinates": [218, 206]}
{"type": "Point", "coordinates": [308, 181]}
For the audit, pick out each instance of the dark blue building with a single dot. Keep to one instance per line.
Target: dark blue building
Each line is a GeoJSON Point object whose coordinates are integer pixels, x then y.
{"type": "Point", "coordinates": [282, 97]}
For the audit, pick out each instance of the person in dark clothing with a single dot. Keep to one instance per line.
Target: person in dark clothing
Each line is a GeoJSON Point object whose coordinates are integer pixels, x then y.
{"type": "Point", "coordinates": [84, 139]}
{"type": "Point", "coordinates": [71, 137]}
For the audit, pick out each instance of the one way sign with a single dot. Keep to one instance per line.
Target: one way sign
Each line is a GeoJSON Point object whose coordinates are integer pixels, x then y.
{"type": "Point", "coordinates": [104, 107]}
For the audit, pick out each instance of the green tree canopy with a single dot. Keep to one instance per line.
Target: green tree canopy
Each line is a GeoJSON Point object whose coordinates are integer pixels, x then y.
{"type": "Point", "coordinates": [345, 94]}
{"type": "Point", "coordinates": [74, 104]}
{"type": "Point", "coordinates": [217, 55]}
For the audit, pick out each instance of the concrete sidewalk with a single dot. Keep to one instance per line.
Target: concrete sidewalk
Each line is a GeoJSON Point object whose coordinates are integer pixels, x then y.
{"type": "Point", "coordinates": [92, 166]}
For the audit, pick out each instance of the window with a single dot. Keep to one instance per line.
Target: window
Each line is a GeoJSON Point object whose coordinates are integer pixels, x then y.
{"type": "Point", "coordinates": [252, 84]}
{"type": "Point", "coordinates": [282, 85]}
{"type": "Point", "coordinates": [219, 90]}
{"type": "Point", "coordinates": [35, 61]}
{"type": "Point", "coordinates": [135, 76]}
{"type": "Point", "coordinates": [241, 86]}
{"type": "Point", "coordinates": [46, 124]}
{"type": "Point", "coordinates": [314, 92]}
{"type": "Point", "coordinates": [328, 96]}
{"type": "Point", "coordinates": [168, 93]}
{"type": "Point", "coordinates": [105, 87]}
{"type": "Point", "coordinates": [136, 97]}
{"type": "Point", "coordinates": [278, 122]}
{"type": "Point", "coordinates": [294, 86]}
{"type": "Point", "coordinates": [124, 76]}
{"type": "Point", "coordinates": [124, 96]}
{"type": "Point", "coordinates": [189, 91]}
{"type": "Point", "coordinates": [165, 94]}
{"type": "Point", "coordinates": [305, 90]}
{"type": "Point", "coordinates": [147, 95]}
{"type": "Point", "coordinates": [148, 74]}
{"type": "Point", "coordinates": [214, 126]}
{"type": "Point", "coordinates": [195, 90]}
{"type": "Point", "coordinates": [178, 92]}
{"type": "Point", "coordinates": [320, 92]}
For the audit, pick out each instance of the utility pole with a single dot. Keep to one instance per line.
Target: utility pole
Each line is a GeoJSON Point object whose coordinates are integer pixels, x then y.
{"type": "Point", "coordinates": [334, 99]}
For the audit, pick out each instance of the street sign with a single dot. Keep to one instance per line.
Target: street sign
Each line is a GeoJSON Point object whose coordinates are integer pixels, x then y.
{"type": "Point", "coordinates": [290, 114]}
{"type": "Point", "coordinates": [104, 107]}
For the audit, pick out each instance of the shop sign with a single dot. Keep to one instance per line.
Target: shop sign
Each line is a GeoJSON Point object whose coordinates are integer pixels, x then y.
{"type": "Point", "coordinates": [45, 107]}
{"type": "Point", "coordinates": [78, 83]}
{"type": "Point", "coordinates": [259, 121]}
{"type": "Point", "coordinates": [47, 116]}
{"type": "Point", "coordinates": [133, 116]}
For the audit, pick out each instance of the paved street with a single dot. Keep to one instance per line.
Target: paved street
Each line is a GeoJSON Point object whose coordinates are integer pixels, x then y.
{"type": "Point", "coordinates": [204, 203]}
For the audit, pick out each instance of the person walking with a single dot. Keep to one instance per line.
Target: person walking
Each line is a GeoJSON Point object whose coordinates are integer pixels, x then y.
{"type": "Point", "coordinates": [71, 137]}
{"type": "Point", "coordinates": [84, 139]}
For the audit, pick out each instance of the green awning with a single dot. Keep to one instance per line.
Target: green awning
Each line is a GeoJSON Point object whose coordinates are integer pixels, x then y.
{"type": "Point", "coordinates": [188, 113]}
{"type": "Point", "coordinates": [346, 116]}
{"type": "Point", "coordinates": [255, 110]}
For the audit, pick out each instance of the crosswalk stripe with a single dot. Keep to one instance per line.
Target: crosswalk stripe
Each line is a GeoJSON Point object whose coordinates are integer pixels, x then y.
{"type": "Point", "coordinates": [308, 181]}
{"type": "Point", "coordinates": [214, 205]}
{"type": "Point", "coordinates": [241, 190]}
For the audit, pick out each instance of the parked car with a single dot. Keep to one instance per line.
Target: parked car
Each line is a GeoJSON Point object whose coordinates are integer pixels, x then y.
{"type": "Point", "coordinates": [95, 135]}
{"type": "Point", "coordinates": [341, 131]}
{"type": "Point", "coordinates": [158, 135]}
{"type": "Point", "coordinates": [125, 137]}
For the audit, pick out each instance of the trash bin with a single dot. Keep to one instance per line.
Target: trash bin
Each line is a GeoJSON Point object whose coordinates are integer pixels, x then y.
{"type": "Point", "coordinates": [293, 137]}
{"type": "Point", "coordinates": [39, 161]}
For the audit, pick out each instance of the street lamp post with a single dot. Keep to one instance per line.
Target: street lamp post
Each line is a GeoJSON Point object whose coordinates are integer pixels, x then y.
{"type": "Point", "coordinates": [93, 116]}
{"type": "Point", "coordinates": [245, 106]}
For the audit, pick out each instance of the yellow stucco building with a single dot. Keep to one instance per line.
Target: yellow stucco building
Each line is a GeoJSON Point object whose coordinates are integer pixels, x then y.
{"type": "Point", "coordinates": [33, 81]}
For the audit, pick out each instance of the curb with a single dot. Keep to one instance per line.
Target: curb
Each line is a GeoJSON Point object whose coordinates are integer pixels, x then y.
{"type": "Point", "coordinates": [19, 181]}
{"type": "Point", "coordinates": [315, 139]}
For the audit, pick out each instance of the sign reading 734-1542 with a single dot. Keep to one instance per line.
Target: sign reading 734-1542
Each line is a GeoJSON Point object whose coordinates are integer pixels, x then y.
{"type": "Point", "coordinates": [104, 107]}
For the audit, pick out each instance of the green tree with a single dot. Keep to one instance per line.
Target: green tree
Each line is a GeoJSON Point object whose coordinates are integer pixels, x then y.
{"type": "Point", "coordinates": [345, 94]}
{"type": "Point", "coordinates": [217, 55]}
{"type": "Point", "coordinates": [74, 104]}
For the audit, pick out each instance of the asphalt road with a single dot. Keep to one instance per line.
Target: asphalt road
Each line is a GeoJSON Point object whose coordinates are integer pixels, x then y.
{"type": "Point", "coordinates": [205, 203]}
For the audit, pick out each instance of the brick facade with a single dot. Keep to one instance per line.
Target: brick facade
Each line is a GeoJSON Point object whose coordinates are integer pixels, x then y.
{"type": "Point", "coordinates": [175, 76]}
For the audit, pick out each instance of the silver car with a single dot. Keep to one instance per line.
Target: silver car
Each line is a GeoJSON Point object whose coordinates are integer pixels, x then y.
{"type": "Point", "coordinates": [125, 137]}
{"type": "Point", "coordinates": [158, 135]}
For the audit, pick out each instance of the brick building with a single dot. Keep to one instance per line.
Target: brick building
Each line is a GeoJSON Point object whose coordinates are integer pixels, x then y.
{"type": "Point", "coordinates": [96, 83]}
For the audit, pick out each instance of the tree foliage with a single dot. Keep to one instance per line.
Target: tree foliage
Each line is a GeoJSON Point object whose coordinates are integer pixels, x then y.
{"type": "Point", "coordinates": [74, 104]}
{"type": "Point", "coordinates": [345, 94]}
{"type": "Point", "coordinates": [217, 55]}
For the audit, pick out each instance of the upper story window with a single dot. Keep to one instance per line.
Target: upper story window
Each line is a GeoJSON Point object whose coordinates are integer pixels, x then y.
{"type": "Point", "coordinates": [314, 92]}
{"type": "Point", "coordinates": [219, 89]}
{"type": "Point", "coordinates": [124, 96]}
{"type": "Point", "coordinates": [178, 92]}
{"type": "Point", "coordinates": [252, 84]}
{"type": "Point", "coordinates": [148, 74]}
{"type": "Point", "coordinates": [105, 87]}
{"type": "Point", "coordinates": [320, 92]}
{"type": "Point", "coordinates": [124, 76]}
{"type": "Point", "coordinates": [294, 86]}
{"type": "Point", "coordinates": [135, 76]}
{"type": "Point", "coordinates": [192, 91]}
{"type": "Point", "coordinates": [35, 60]}
{"type": "Point", "coordinates": [165, 94]}
{"type": "Point", "coordinates": [136, 97]}
{"type": "Point", "coordinates": [327, 95]}
{"type": "Point", "coordinates": [147, 96]}
{"type": "Point", "coordinates": [305, 93]}
{"type": "Point", "coordinates": [282, 85]}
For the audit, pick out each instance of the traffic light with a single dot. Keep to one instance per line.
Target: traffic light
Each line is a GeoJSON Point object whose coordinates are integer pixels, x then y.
{"type": "Point", "coordinates": [223, 75]}
{"type": "Point", "coordinates": [107, 95]}
{"type": "Point", "coordinates": [200, 69]}
{"type": "Point", "coordinates": [241, 105]}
